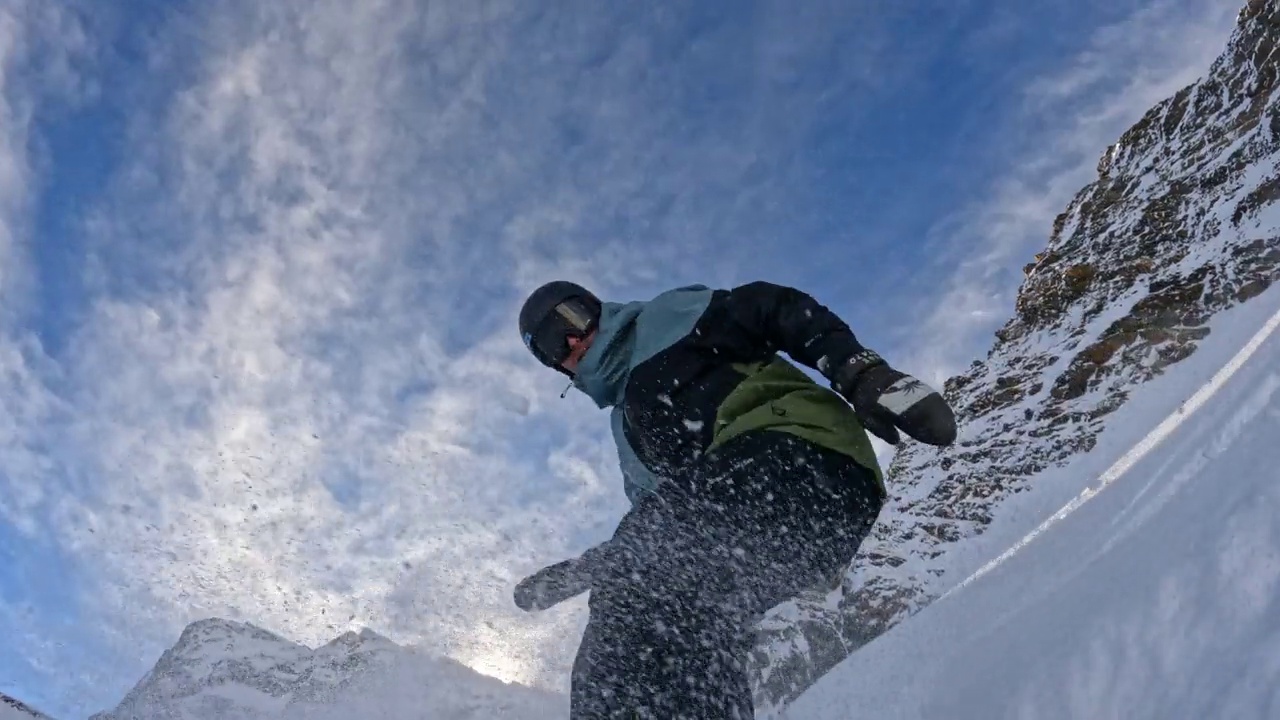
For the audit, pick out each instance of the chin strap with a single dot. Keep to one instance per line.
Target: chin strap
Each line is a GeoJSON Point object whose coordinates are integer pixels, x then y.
{"type": "Point", "coordinates": [567, 388]}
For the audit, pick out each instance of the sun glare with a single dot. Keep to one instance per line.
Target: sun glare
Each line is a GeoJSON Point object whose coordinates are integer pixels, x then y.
{"type": "Point", "coordinates": [502, 667]}
{"type": "Point", "coordinates": [494, 655]}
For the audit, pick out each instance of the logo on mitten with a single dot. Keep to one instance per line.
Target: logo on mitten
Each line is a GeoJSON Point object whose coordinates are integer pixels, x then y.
{"type": "Point", "coordinates": [899, 397]}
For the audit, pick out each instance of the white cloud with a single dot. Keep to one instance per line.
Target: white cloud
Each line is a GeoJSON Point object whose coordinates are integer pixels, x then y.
{"type": "Point", "coordinates": [1073, 114]}
{"type": "Point", "coordinates": [14, 171]}
{"type": "Point", "coordinates": [38, 46]}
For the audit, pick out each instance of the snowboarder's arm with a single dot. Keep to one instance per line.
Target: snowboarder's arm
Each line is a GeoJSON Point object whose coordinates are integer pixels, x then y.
{"type": "Point", "coordinates": [766, 317]}
{"type": "Point", "coordinates": [553, 585]}
{"type": "Point", "coordinates": [780, 318]}
{"type": "Point", "coordinates": [566, 579]}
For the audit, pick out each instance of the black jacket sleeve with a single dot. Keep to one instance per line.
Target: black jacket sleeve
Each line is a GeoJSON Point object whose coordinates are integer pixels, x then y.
{"type": "Point", "coordinates": [777, 318]}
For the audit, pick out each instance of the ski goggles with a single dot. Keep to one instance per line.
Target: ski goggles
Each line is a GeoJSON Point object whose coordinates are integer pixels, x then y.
{"type": "Point", "coordinates": [549, 341]}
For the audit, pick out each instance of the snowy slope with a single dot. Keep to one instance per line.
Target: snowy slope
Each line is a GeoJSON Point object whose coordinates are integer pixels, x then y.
{"type": "Point", "coordinates": [1156, 595]}
{"type": "Point", "coordinates": [222, 670]}
{"type": "Point", "coordinates": [1179, 226]}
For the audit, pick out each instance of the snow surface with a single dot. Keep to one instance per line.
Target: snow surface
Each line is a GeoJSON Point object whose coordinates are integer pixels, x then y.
{"type": "Point", "coordinates": [1155, 593]}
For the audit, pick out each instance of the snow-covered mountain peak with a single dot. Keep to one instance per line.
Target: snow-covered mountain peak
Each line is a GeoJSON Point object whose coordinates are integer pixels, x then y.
{"type": "Point", "coordinates": [205, 643]}
{"type": "Point", "coordinates": [224, 670]}
{"type": "Point", "coordinates": [213, 655]}
{"type": "Point", "coordinates": [351, 640]}
{"type": "Point", "coordinates": [12, 708]}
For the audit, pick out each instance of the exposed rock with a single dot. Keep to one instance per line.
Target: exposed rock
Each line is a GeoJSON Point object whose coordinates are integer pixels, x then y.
{"type": "Point", "coordinates": [1179, 225]}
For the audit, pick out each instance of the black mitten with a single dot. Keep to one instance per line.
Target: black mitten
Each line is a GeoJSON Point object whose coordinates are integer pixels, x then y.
{"type": "Point", "coordinates": [888, 400]}
{"type": "Point", "coordinates": [552, 585]}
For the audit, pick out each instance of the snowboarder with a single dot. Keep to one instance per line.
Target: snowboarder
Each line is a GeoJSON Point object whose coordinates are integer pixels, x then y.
{"type": "Point", "coordinates": [748, 481]}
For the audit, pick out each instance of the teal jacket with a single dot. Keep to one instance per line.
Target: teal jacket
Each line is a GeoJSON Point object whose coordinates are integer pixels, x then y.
{"type": "Point", "coordinates": [693, 367]}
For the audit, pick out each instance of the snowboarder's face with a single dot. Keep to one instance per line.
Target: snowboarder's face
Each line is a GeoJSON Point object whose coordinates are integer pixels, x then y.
{"type": "Point", "coordinates": [578, 347]}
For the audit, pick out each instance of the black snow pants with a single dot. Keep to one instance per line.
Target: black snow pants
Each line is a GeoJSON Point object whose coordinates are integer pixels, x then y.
{"type": "Point", "coordinates": [671, 624]}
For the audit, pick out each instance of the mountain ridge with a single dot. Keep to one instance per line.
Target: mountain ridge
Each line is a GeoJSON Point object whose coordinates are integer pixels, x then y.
{"type": "Point", "coordinates": [221, 669]}
{"type": "Point", "coordinates": [12, 708]}
{"type": "Point", "coordinates": [1178, 225]}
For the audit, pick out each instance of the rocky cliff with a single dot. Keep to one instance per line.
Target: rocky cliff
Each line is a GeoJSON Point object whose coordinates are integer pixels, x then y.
{"type": "Point", "coordinates": [1179, 225]}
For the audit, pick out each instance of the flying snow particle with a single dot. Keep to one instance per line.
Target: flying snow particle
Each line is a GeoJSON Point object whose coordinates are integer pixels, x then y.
{"type": "Point", "coordinates": [518, 404]}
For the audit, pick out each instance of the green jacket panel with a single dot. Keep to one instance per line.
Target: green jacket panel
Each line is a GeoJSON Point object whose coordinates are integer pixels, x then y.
{"type": "Point", "coordinates": [779, 396]}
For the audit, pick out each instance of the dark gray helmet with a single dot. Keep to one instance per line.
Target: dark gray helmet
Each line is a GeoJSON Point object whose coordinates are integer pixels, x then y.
{"type": "Point", "coordinates": [552, 314]}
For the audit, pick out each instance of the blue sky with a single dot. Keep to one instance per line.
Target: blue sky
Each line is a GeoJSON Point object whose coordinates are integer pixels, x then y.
{"type": "Point", "coordinates": [259, 265]}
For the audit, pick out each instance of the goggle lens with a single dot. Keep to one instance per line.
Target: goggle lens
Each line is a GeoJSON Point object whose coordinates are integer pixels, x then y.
{"type": "Point", "coordinates": [550, 342]}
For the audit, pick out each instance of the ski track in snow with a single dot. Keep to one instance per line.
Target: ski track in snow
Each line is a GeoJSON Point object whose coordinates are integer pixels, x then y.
{"type": "Point", "coordinates": [1159, 599]}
